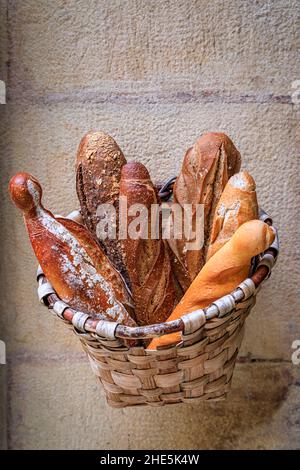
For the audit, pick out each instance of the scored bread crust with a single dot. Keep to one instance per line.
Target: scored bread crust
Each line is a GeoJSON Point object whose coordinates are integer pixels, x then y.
{"type": "Point", "coordinates": [206, 168]}
{"type": "Point", "coordinates": [222, 273]}
{"type": "Point", "coordinates": [98, 171]}
{"type": "Point", "coordinates": [237, 205]}
{"type": "Point", "coordinates": [70, 259]}
{"type": "Point", "coordinates": [100, 261]}
{"type": "Point", "coordinates": [147, 260]}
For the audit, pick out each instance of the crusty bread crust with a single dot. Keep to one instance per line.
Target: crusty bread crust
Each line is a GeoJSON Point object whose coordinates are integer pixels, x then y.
{"type": "Point", "coordinates": [147, 260]}
{"type": "Point", "coordinates": [98, 171]}
{"type": "Point", "coordinates": [223, 272]}
{"type": "Point", "coordinates": [237, 205]}
{"type": "Point", "coordinates": [72, 262]}
{"type": "Point", "coordinates": [206, 168]}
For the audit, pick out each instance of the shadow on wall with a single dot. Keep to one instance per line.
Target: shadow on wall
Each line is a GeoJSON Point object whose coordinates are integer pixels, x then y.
{"type": "Point", "coordinates": [258, 392]}
{"type": "Point", "coordinates": [253, 416]}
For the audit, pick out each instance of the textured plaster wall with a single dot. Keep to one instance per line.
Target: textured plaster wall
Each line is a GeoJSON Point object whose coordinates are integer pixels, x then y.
{"type": "Point", "coordinates": [155, 75]}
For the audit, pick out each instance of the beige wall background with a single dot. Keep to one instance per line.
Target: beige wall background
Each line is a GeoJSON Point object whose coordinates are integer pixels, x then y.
{"type": "Point", "coordinates": [155, 75]}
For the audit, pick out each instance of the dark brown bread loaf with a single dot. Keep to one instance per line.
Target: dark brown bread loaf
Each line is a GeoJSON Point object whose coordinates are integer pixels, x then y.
{"type": "Point", "coordinates": [73, 263]}
{"type": "Point", "coordinates": [98, 171]}
{"type": "Point", "coordinates": [147, 260]}
{"type": "Point", "coordinates": [206, 168]}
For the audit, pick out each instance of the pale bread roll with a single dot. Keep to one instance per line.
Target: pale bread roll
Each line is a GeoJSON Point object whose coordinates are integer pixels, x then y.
{"type": "Point", "coordinates": [225, 270]}
{"type": "Point", "coordinates": [237, 205]}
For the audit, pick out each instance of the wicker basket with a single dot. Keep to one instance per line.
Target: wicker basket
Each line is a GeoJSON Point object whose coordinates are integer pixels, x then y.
{"type": "Point", "coordinates": [199, 368]}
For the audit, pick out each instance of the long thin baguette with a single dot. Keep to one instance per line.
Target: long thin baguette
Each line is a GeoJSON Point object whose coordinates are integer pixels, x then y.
{"type": "Point", "coordinates": [147, 260]}
{"type": "Point", "coordinates": [224, 271]}
{"type": "Point", "coordinates": [98, 171]}
{"type": "Point", "coordinates": [205, 171]}
{"type": "Point", "coordinates": [75, 266]}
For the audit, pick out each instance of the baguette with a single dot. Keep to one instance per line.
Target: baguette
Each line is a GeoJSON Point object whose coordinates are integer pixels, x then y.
{"type": "Point", "coordinates": [72, 262]}
{"type": "Point", "coordinates": [98, 171]}
{"type": "Point", "coordinates": [205, 171]}
{"type": "Point", "coordinates": [100, 261]}
{"type": "Point", "coordinates": [237, 205]}
{"type": "Point", "coordinates": [224, 271]}
{"type": "Point", "coordinates": [147, 260]}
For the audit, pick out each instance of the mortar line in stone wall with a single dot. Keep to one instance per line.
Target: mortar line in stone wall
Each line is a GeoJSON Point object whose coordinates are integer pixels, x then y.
{"type": "Point", "coordinates": [97, 96]}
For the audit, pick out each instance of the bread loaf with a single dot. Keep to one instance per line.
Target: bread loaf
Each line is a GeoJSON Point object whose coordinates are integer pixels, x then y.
{"type": "Point", "coordinates": [223, 272]}
{"type": "Point", "coordinates": [237, 205]}
{"type": "Point", "coordinates": [98, 171]}
{"type": "Point", "coordinates": [100, 261]}
{"type": "Point", "coordinates": [147, 260]}
{"type": "Point", "coordinates": [205, 171]}
{"type": "Point", "coordinates": [75, 266]}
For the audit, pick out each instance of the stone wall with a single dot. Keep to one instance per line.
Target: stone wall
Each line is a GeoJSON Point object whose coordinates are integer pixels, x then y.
{"type": "Point", "coordinates": [155, 75]}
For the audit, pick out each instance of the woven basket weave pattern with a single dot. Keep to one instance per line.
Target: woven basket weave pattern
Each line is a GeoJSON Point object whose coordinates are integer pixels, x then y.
{"type": "Point", "coordinates": [198, 368]}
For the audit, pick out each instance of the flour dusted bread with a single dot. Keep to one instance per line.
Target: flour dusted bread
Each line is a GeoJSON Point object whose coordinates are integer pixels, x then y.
{"type": "Point", "coordinates": [71, 260]}
{"type": "Point", "coordinates": [98, 171]}
{"type": "Point", "coordinates": [100, 261]}
{"type": "Point", "coordinates": [147, 260]}
{"type": "Point", "coordinates": [206, 168]}
{"type": "Point", "coordinates": [222, 273]}
{"type": "Point", "coordinates": [237, 205]}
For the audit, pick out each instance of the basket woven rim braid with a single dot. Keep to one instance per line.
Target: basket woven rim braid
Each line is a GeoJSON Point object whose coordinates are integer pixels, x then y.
{"type": "Point", "coordinates": [83, 323]}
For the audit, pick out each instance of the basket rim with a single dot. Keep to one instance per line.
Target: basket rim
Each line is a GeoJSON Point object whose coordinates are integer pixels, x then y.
{"type": "Point", "coordinates": [84, 323]}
